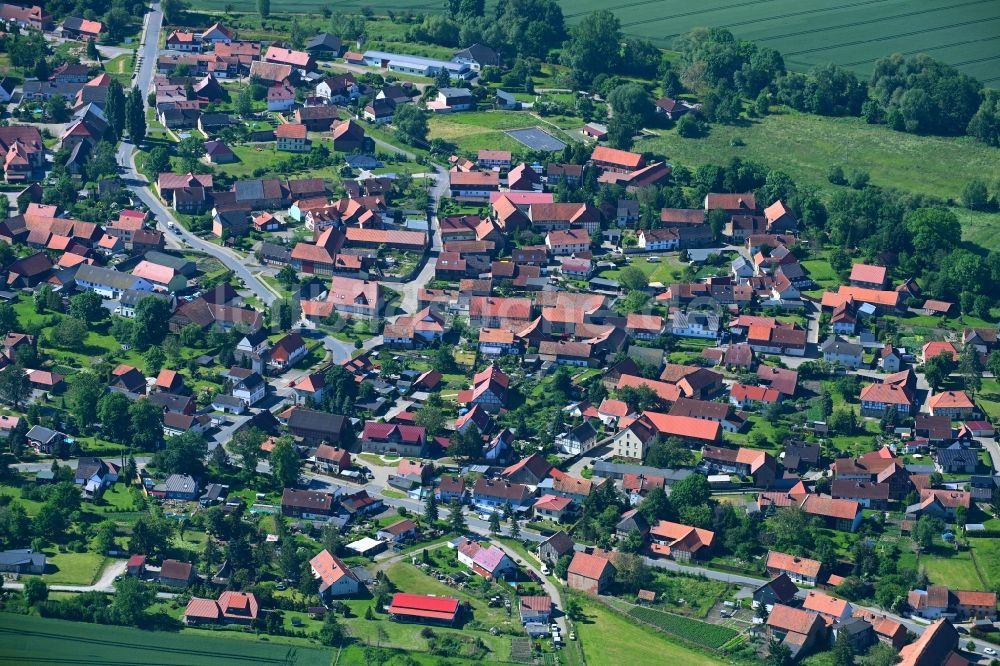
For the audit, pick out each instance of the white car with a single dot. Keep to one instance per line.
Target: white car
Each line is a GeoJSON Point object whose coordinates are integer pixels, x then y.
{"type": "Point", "coordinates": [545, 570]}
{"type": "Point", "coordinates": [990, 651]}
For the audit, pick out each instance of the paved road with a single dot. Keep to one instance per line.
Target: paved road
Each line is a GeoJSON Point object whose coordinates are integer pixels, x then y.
{"type": "Point", "coordinates": [438, 191]}
{"type": "Point", "coordinates": [140, 186]}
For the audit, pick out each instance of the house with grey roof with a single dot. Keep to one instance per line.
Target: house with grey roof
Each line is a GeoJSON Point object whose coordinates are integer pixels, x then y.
{"type": "Point", "coordinates": [109, 283]}
{"type": "Point", "coordinates": [22, 560]}
{"type": "Point", "coordinates": [837, 350]}
{"type": "Point", "coordinates": [181, 265]}
{"type": "Point", "coordinates": [176, 487]}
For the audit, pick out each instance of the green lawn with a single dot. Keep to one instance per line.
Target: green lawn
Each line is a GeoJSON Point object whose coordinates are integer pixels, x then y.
{"type": "Point", "coordinates": [986, 554]}
{"type": "Point", "coordinates": [668, 269]}
{"type": "Point", "coordinates": [811, 144]}
{"type": "Point", "coordinates": [42, 641]}
{"type": "Point", "coordinates": [954, 569]}
{"type": "Point", "coordinates": [73, 568]}
{"type": "Point", "coordinates": [611, 640]}
{"type": "Point", "coordinates": [120, 67]}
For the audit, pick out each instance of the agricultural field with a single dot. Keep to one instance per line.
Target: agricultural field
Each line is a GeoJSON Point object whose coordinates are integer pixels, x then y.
{"type": "Point", "coordinates": [854, 34]}
{"type": "Point", "coordinates": [30, 639]}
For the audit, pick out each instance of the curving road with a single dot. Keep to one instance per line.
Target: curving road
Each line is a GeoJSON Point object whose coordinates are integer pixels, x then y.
{"type": "Point", "coordinates": [137, 183]}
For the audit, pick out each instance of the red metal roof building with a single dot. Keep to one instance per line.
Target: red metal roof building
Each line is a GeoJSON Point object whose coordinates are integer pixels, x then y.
{"type": "Point", "coordinates": [423, 608]}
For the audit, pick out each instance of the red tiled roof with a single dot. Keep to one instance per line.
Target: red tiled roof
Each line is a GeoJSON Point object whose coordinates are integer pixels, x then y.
{"type": "Point", "coordinates": [683, 426]}
{"type": "Point", "coordinates": [797, 565]}
{"type": "Point", "coordinates": [868, 273]}
{"type": "Point", "coordinates": [588, 566]}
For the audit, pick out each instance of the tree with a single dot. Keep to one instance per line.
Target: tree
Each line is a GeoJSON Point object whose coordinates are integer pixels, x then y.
{"type": "Point", "coordinates": [35, 591]}
{"type": "Point", "coordinates": [562, 566]}
{"type": "Point", "coordinates": [593, 46]}
{"type": "Point", "coordinates": [114, 109]}
{"type": "Point", "coordinates": [632, 100]}
{"type": "Point", "coordinates": [146, 425]}
{"type": "Point", "coordinates": [690, 492]}
{"type": "Point", "coordinates": [970, 368]}
{"type": "Point", "coordinates": [515, 528]}
{"type": "Point", "coordinates": [8, 319]}
{"type": "Point", "coordinates": [933, 230]}
{"type": "Point", "coordinates": [633, 279]}
{"type": "Point", "coordinates": [431, 508]}
{"type": "Point", "coordinates": [264, 8]}
{"type": "Point", "coordinates": [631, 572]}
{"type": "Point", "coordinates": [285, 463]}
{"type": "Point", "coordinates": [287, 276]}
{"type": "Point", "coordinates": [245, 444]}
{"type": "Point", "coordinates": [154, 358]}
{"type": "Point", "coordinates": [112, 412]}
{"type": "Point", "coordinates": [83, 397]}
{"type": "Point", "coordinates": [656, 506]}
{"type": "Point", "coordinates": [69, 333]}
{"type": "Point", "coordinates": [190, 150]}
{"type": "Point", "coordinates": [669, 453]}
{"type": "Point", "coordinates": [131, 599]}
{"type": "Point", "coordinates": [158, 160]}
{"type": "Point", "coordinates": [152, 317]}
{"type": "Point", "coordinates": [937, 369]}
{"type": "Point", "coordinates": [244, 102]}
{"type": "Point", "coordinates": [183, 454]}
{"type": "Point", "coordinates": [151, 534]}
{"type": "Point", "coordinates": [688, 127]}
{"type": "Point", "coordinates": [173, 11]}
{"type": "Point", "coordinates": [444, 360]}
{"type": "Point", "coordinates": [411, 124]}
{"type": "Point", "coordinates": [924, 531]}
{"type": "Point", "coordinates": [843, 651]}
{"type": "Point", "coordinates": [57, 109]}
{"type": "Point", "coordinates": [494, 523]}
{"type": "Point", "coordinates": [87, 307]}
{"type": "Point", "coordinates": [331, 633]}
{"type": "Point", "coordinates": [432, 418]}
{"type": "Point", "coordinates": [778, 654]}
{"type": "Point", "coordinates": [14, 386]}
{"type": "Point", "coordinates": [135, 116]}
{"type": "Point", "coordinates": [456, 519]}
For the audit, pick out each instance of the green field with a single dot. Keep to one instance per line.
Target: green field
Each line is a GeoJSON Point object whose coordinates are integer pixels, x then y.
{"type": "Point", "coordinates": [854, 34]}
{"type": "Point", "coordinates": [805, 146]}
{"type": "Point", "coordinates": [28, 639]}
{"type": "Point", "coordinates": [610, 640]}
{"type": "Point", "coordinates": [954, 569]}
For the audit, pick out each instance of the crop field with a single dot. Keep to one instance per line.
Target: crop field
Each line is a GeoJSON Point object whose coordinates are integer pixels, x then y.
{"type": "Point", "coordinates": [28, 639]}
{"type": "Point", "coordinates": [853, 33]}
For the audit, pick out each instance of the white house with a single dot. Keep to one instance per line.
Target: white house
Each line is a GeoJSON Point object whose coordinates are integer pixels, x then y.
{"type": "Point", "coordinates": [695, 325]}
{"type": "Point", "coordinates": [657, 240]}
{"type": "Point", "coordinates": [335, 578]}
{"type": "Point", "coordinates": [252, 388]}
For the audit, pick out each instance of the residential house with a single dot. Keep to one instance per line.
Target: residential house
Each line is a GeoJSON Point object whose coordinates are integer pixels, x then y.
{"type": "Point", "coordinates": [798, 630]}
{"type": "Point", "coordinates": [402, 530]}
{"type": "Point", "coordinates": [292, 138]}
{"type": "Point", "coordinates": [287, 351]}
{"type": "Point", "coordinates": [332, 459]}
{"type": "Point", "coordinates": [492, 494]}
{"type": "Point", "coordinates": [778, 590]}
{"type": "Point", "coordinates": [801, 570]}
{"type": "Point", "coordinates": [552, 507]}
{"type": "Point", "coordinates": [401, 440]}
{"type": "Point", "coordinates": [555, 547]}
{"type": "Point", "coordinates": [176, 573]}
{"type": "Point", "coordinates": [760, 465]}
{"type": "Point", "coordinates": [22, 561]}
{"type": "Point", "coordinates": [680, 542]}
{"type": "Point", "coordinates": [231, 608]}
{"type": "Point", "coordinates": [840, 351]}
{"type": "Point", "coordinates": [313, 427]}
{"type": "Point", "coordinates": [530, 470]}
{"type": "Point", "coordinates": [308, 504]}
{"type": "Point", "coordinates": [955, 405]}
{"type": "Point", "coordinates": [577, 441]}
